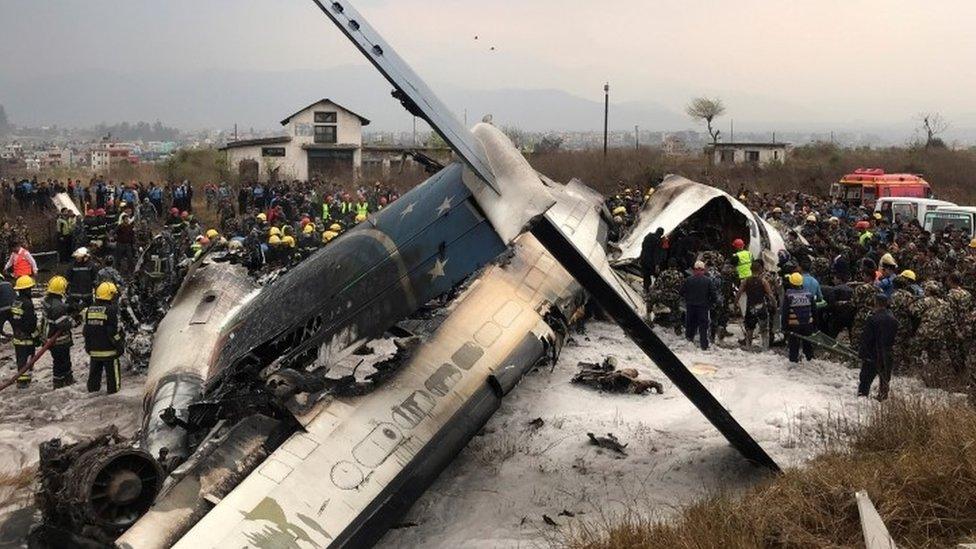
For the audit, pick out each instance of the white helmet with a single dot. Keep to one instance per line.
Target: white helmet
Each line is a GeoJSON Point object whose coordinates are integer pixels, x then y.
{"type": "Point", "coordinates": [80, 253]}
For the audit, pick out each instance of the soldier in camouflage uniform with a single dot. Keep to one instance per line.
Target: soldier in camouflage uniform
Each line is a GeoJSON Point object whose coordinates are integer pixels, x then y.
{"type": "Point", "coordinates": [862, 303]}
{"type": "Point", "coordinates": [724, 279]}
{"type": "Point", "coordinates": [902, 300]}
{"type": "Point", "coordinates": [820, 268]}
{"type": "Point", "coordinates": [960, 305]}
{"type": "Point", "coordinates": [933, 316]}
{"type": "Point", "coordinates": [666, 293]}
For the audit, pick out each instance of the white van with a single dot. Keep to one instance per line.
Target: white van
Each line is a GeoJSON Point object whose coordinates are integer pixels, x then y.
{"type": "Point", "coordinates": [906, 209]}
{"type": "Point", "coordinates": [960, 217]}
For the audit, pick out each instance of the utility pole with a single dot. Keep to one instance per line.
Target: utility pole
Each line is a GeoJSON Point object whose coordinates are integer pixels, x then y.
{"type": "Point", "coordinates": [415, 131]}
{"type": "Point", "coordinates": [636, 137]}
{"type": "Point", "coordinates": [235, 131]}
{"type": "Point", "coordinates": [606, 117]}
{"type": "Point", "coordinates": [731, 131]}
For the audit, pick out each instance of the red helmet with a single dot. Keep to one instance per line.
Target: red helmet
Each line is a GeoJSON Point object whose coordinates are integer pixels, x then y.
{"type": "Point", "coordinates": [89, 212]}
{"type": "Point", "coordinates": [862, 225]}
{"type": "Point", "coordinates": [184, 214]}
{"type": "Point", "coordinates": [100, 211]}
{"type": "Point", "coordinates": [738, 244]}
{"type": "Point", "coordinates": [174, 211]}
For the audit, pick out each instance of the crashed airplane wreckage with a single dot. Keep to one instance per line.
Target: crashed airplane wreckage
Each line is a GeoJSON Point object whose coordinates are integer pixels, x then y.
{"type": "Point", "coordinates": [260, 429]}
{"type": "Point", "coordinates": [708, 217]}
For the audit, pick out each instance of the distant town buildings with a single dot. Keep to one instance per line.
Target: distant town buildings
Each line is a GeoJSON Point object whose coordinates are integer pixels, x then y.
{"type": "Point", "coordinates": [747, 153]}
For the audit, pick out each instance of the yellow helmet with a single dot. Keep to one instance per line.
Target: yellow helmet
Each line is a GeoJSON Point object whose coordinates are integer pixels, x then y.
{"type": "Point", "coordinates": [877, 215]}
{"type": "Point", "coordinates": [329, 235]}
{"type": "Point", "coordinates": [288, 241]}
{"type": "Point", "coordinates": [309, 228]}
{"type": "Point", "coordinates": [619, 210]}
{"type": "Point", "coordinates": [796, 279]}
{"type": "Point", "coordinates": [335, 227]}
{"type": "Point", "coordinates": [23, 283]}
{"type": "Point", "coordinates": [57, 285]}
{"type": "Point", "coordinates": [909, 274]}
{"type": "Point", "coordinates": [212, 234]}
{"type": "Point", "coordinates": [972, 243]}
{"type": "Point", "coordinates": [261, 217]}
{"type": "Point", "coordinates": [106, 291]}
{"type": "Point", "coordinates": [274, 240]}
{"type": "Point", "coordinates": [360, 218]}
{"type": "Point", "coordinates": [275, 231]}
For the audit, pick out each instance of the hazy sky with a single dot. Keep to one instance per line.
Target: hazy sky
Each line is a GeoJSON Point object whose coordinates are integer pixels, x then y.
{"type": "Point", "coordinates": [877, 61]}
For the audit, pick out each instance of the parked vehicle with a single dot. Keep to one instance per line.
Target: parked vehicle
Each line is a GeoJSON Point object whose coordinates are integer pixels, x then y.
{"type": "Point", "coordinates": [865, 186]}
{"type": "Point", "coordinates": [945, 217]}
{"type": "Point", "coordinates": [906, 209]}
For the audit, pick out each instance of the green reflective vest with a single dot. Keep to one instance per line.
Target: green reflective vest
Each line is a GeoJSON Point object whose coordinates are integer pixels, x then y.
{"type": "Point", "coordinates": [743, 264]}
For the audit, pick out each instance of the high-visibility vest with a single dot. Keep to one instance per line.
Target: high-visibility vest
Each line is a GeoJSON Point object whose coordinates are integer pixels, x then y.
{"type": "Point", "coordinates": [362, 208]}
{"type": "Point", "coordinates": [743, 264]}
{"type": "Point", "coordinates": [66, 226]}
{"type": "Point", "coordinates": [325, 211]}
{"type": "Point", "coordinates": [22, 265]}
{"type": "Point", "coordinates": [865, 237]}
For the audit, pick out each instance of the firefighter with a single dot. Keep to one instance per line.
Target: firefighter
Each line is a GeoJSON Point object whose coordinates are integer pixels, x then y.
{"type": "Point", "coordinates": [57, 319]}
{"type": "Point", "coordinates": [23, 319]}
{"type": "Point", "coordinates": [103, 339]}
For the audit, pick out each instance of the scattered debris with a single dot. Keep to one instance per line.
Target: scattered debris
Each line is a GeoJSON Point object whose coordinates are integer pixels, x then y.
{"type": "Point", "coordinates": [565, 513]}
{"type": "Point", "coordinates": [402, 525]}
{"type": "Point", "coordinates": [606, 377]}
{"type": "Point", "coordinates": [537, 423]}
{"type": "Point", "coordinates": [548, 520]}
{"type": "Point", "coordinates": [609, 442]}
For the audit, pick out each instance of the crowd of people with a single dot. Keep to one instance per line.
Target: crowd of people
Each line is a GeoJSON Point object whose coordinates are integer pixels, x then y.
{"type": "Point", "coordinates": [901, 296]}
{"type": "Point", "coordinates": [266, 227]}
{"type": "Point", "coordinates": [898, 292]}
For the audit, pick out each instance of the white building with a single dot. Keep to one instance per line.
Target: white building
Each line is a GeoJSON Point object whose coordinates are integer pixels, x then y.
{"type": "Point", "coordinates": [323, 140]}
{"type": "Point", "coordinates": [106, 155]}
{"type": "Point", "coordinates": [743, 153]}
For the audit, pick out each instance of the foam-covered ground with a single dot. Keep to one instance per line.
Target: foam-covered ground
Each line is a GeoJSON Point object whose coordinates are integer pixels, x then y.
{"type": "Point", "coordinates": [498, 489]}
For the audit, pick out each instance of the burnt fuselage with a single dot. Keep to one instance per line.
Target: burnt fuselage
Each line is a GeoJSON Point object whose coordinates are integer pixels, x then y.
{"type": "Point", "coordinates": [356, 288]}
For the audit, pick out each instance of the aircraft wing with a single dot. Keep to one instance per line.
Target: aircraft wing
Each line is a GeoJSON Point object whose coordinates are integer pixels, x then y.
{"type": "Point", "coordinates": [513, 196]}
{"type": "Point", "coordinates": [509, 202]}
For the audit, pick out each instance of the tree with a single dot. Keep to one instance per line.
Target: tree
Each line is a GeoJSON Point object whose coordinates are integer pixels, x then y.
{"type": "Point", "coordinates": [4, 123]}
{"type": "Point", "coordinates": [548, 144]}
{"type": "Point", "coordinates": [703, 108]}
{"type": "Point", "coordinates": [932, 124]}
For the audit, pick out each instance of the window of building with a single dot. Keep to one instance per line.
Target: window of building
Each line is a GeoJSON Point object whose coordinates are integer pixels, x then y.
{"type": "Point", "coordinates": [752, 156]}
{"type": "Point", "coordinates": [325, 134]}
{"type": "Point", "coordinates": [273, 151]}
{"type": "Point", "coordinates": [325, 117]}
{"type": "Point", "coordinates": [726, 156]}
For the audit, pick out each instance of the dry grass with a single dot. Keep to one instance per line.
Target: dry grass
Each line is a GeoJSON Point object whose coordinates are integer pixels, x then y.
{"type": "Point", "coordinates": [13, 485]}
{"type": "Point", "coordinates": [915, 458]}
{"type": "Point", "coordinates": [811, 168]}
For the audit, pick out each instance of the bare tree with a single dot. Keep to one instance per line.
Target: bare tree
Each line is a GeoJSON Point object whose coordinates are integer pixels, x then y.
{"type": "Point", "coordinates": [932, 124]}
{"type": "Point", "coordinates": [704, 108]}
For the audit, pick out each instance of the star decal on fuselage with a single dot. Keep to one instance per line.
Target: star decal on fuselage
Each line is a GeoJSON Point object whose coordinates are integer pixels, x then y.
{"type": "Point", "coordinates": [437, 270]}
{"type": "Point", "coordinates": [407, 210]}
{"type": "Point", "coordinates": [446, 205]}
